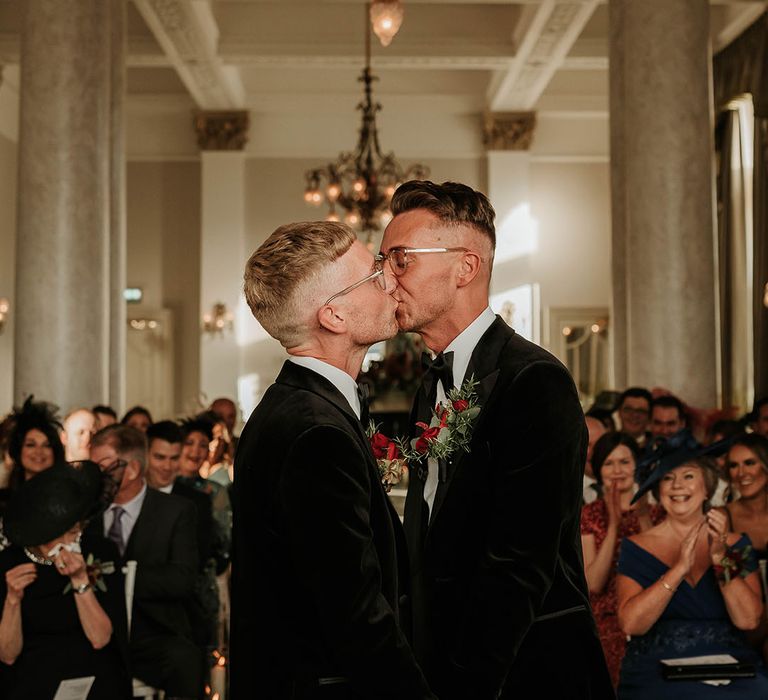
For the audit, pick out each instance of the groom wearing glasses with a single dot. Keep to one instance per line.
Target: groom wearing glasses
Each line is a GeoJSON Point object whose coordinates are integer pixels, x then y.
{"type": "Point", "coordinates": [319, 564]}
{"type": "Point", "coordinates": [499, 599]}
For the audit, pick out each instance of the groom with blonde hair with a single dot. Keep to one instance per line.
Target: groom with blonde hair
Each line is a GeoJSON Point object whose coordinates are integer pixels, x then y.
{"type": "Point", "coordinates": [319, 567]}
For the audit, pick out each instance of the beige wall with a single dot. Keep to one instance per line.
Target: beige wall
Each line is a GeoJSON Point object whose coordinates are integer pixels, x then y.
{"type": "Point", "coordinates": [164, 258]}
{"type": "Point", "coordinates": [7, 264]}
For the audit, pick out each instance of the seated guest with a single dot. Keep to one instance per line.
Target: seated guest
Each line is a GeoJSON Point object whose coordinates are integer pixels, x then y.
{"type": "Point", "coordinates": [76, 434]}
{"type": "Point", "coordinates": [64, 611]}
{"type": "Point", "coordinates": [158, 532]}
{"type": "Point", "coordinates": [138, 417]}
{"type": "Point", "coordinates": [747, 463]}
{"type": "Point", "coordinates": [104, 415]}
{"type": "Point", "coordinates": [604, 524]}
{"type": "Point", "coordinates": [635, 412]}
{"type": "Point", "coordinates": [723, 430]}
{"type": "Point", "coordinates": [668, 416]}
{"type": "Point", "coordinates": [164, 439]}
{"type": "Point", "coordinates": [759, 417]}
{"type": "Point", "coordinates": [686, 587]}
{"type": "Point", "coordinates": [226, 409]}
{"type": "Point", "coordinates": [33, 441]}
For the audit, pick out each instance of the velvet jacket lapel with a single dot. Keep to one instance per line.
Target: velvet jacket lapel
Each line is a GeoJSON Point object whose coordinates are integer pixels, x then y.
{"type": "Point", "coordinates": [302, 378]}
{"type": "Point", "coordinates": [483, 365]}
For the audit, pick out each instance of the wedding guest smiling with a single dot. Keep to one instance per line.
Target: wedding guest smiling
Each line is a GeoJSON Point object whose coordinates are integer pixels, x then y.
{"type": "Point", "coordinates": [33, 444]}
{"type": "Point", "coordinates": [604, 524]}
{"type": "Point", "coordinates": [686, 587]}
{"type": "Point", "coordinates": [635, 412]}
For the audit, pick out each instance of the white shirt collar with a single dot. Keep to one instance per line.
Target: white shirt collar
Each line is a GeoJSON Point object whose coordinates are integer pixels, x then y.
{"type": "Point", "coordinates": [166, 489]}
{"type": "Point", "coordinates": [339, 378]}
{"type": "Point", "coordinates": [463, 345]}
{"type": "Point", "coordinates": [133, 507]}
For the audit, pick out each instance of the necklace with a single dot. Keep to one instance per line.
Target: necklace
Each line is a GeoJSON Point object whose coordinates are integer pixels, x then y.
{"type": "Point", "coordinates": [37, 559]}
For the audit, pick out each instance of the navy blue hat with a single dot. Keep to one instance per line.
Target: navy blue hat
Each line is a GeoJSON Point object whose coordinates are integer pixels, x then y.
{"type": "Point", "coordinates": [679, 449]}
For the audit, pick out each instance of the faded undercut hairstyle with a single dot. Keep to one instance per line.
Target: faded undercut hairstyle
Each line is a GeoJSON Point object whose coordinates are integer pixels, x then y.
{"type": "Point", "coordinates": [451, 202]}
{"type": "Point", "coordinates": [282, 277]}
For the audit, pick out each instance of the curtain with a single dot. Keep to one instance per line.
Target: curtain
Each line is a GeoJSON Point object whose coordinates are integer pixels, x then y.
{"type": "Point", "coordinates": [742, 68]}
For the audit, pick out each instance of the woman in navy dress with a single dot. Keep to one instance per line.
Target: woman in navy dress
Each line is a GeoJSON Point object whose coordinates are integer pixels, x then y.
{"type": "Point", "coordinates": [686, 587]}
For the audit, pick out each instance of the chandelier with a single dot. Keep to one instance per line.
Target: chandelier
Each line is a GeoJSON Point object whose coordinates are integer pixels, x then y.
{"type": "Point", "coordinates": [360, 185]}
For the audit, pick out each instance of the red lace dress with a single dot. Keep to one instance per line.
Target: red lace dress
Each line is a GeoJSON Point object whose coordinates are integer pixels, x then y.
{"type": "Point", "coordinates": [594, 521]}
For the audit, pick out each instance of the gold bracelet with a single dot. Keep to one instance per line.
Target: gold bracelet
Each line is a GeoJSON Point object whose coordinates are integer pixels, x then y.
{"type": "Point", "coordinates": [666, 585]}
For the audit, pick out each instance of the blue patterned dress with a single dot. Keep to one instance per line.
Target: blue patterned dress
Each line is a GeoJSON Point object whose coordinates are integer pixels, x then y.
{"type": "Point", "coordinates": [695, 623]}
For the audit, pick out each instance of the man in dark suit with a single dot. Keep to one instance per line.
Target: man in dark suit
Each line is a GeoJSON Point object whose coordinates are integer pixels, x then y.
{"type": "Point", "coordinates": [158, 532]}
{"type": "Point", "coordinates": [500, 601]}
{"type": "Point", "coordinates": [316, 543]}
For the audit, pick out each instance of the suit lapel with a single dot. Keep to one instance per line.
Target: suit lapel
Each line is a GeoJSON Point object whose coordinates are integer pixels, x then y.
{"type": "Point", "coordinates": [137, 533]}
{"type": "Point", "coordinates": [483, 365]}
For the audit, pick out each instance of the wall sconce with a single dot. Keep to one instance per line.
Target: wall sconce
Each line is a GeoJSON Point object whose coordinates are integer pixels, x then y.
{"type": "Point", "coordinates": [218, 320]}
{"type": "Point", "coordinates": [143, 324]}
{"type": "Point", "coordinates": [5, 307]}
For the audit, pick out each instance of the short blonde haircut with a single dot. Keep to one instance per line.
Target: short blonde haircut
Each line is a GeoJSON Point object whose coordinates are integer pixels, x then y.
{"type": "Point", "coordinates": [282, 276]}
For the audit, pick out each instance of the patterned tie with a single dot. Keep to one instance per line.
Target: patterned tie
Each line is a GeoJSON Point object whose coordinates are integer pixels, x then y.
{"type": "Point", "coordinates": [116, 529]}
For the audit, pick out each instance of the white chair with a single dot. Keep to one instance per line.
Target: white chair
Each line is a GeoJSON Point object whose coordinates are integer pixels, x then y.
{"type": "Point", "coordinates": [140, 689]}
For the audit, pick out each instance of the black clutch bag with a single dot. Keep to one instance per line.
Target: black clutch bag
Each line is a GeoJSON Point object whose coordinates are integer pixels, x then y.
{"type": "Point", "coordinates": [707, 672]}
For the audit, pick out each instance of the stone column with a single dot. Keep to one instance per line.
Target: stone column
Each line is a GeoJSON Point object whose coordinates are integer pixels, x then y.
{"type": "Point", "coordinates": [507, 137]}
{"type": "Point", "coordinates": [662, 198]}
{"type": "Point", "coordinates": [221, 136]}
{"type": "Point", "coordinates": [62, 259]}
{"type": "Point", "coordinates": [118, 261]}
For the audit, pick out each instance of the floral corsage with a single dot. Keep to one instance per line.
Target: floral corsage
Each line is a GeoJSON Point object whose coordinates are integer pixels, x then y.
{"type": "Point", "coordinates": [736, 563]}
{"type": "Point", "coordinates": [450, 430]}
{"type": "Point", "coordinates": [389, 458]}
{"type": "Point", "coordinates": [95, 570]}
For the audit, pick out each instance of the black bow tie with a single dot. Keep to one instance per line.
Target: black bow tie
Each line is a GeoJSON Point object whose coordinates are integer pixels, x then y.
{"type": "Point", "coordinates": [440, 368]}
{"type": "Point", "coordinates": [362, 395]}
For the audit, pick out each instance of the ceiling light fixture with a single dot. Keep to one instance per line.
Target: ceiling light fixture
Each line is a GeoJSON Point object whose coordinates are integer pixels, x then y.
{"type": "Point", "coordinates": [361, 183]}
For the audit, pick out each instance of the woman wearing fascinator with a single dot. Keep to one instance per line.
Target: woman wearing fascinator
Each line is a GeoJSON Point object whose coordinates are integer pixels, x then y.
{"type": "Point", "coordinates": [63, 615]}
{"type": "Point", "coordinates": [687, 587]}
{"type": "Point", "coordinates": [33, 441]}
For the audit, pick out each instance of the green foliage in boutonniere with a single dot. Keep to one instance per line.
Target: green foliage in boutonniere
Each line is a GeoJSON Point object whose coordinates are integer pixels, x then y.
{"type": "Point", "coordinates": [450, 430]}
{"type": "Point", "coordinates": [96, 570]}
{"type": "Point", "coordinates": [388, 457]}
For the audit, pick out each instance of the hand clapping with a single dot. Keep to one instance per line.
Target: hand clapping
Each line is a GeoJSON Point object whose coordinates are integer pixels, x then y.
{"type": "Point", "coordinates": [717, 529]}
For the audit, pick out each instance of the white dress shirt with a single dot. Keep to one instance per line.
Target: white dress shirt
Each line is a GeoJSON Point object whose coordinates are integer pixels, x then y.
{"type": "Point", "coordinates": [462, 346]}
{"type": "Point", "coordinates": [132, 509]}
{"type": "Point", "coordinates": [339, 378]}
{"type": "Point", "coordinates": [166, 489]}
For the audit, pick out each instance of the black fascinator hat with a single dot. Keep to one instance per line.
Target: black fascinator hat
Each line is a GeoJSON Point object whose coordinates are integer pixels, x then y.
{"type": "Point", "coordinates": [45, 507]}
{"type": "Point", "coordinates": [673, 452]}
{"type": "Point", "coordinates": [35, 415]}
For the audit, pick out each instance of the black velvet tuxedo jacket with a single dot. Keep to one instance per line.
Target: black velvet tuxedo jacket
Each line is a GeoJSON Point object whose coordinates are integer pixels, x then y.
{"type": "Point", "coordinates": [500, 601]}
{"type": "Point", "coordinates": [316, 543]}
{"type": "Point", "coordinates": [164, 544]}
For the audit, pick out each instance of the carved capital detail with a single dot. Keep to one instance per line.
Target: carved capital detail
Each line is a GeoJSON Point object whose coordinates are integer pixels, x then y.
{"type": "Point", "coordinates": [222, 131]}
{"type": "Point", "coordinates": [508, 131]}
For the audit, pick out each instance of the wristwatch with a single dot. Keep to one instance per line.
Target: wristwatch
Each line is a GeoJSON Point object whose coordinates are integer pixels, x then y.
{"type": "Point", "coordinates": [82, 588]}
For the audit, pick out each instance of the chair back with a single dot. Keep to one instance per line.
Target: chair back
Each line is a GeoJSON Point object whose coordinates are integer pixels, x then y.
{"type": "Point", "coordinates": [130, 582]}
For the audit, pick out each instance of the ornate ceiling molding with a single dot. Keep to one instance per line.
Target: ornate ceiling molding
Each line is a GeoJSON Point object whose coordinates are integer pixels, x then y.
{"type": "Point", "coordinates": [188, 34]}
{"type": "Point", "coordinates": [552, 28]}
{"type": "Point", "coordinates": [508, 131]}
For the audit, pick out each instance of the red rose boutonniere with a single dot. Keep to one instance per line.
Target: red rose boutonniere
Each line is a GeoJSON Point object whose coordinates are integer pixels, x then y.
{"type": "Point", "coordinates": [450, 430]}
{"type": "Point", "coordinates": [389, 458]}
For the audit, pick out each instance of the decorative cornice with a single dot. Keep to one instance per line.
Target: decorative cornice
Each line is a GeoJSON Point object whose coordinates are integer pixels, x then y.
{"type": "Point", "coordinates": [508, 131]}
{"type": "Point", "coordinates": [222, 131]}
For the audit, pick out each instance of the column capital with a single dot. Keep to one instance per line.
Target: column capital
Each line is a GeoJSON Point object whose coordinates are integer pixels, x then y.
{"type": "Point", "coordinates": [222, 130]}
{"type": "Point", "coordinates": [508, 131]}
